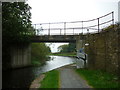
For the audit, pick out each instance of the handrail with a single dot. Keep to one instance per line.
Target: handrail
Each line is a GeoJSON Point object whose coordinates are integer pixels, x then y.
{"type": "Point", "coordinates": [76, 21]}
{"type": "Point", "coordinates": [67, 25]}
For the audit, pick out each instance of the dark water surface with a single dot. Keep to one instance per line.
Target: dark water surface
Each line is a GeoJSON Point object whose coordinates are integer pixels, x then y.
{"type": "Point", "coordinates": [22, 78]}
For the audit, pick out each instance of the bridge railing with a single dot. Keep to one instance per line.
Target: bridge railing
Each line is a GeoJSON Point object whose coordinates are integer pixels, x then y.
{"type": "Point", "coordinates": [75, 27]}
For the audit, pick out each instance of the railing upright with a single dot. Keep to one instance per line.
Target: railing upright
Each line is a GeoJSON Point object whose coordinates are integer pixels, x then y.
{"type": "Point", "coordinates": [73, 31]}
{"type": "Point", "coordinates": [49, 29]}
{"type": "Point", "coordinates": [64, 28]}
{"type": "Point", "coordinates": [98, 26]}
{"type": "Point", "coordinates": [82, 27]}
{"type": "Point", "coordinates": [113, 18]}
{"type": "Point", "coordinates": [60, 31]}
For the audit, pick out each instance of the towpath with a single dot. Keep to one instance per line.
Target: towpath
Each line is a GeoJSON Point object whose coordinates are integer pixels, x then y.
{"type": "Point", "coordinates": [70, 79]}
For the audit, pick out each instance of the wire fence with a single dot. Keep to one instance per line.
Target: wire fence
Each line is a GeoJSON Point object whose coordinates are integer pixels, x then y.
{"type": "Point", "coordinates": [75, 27]}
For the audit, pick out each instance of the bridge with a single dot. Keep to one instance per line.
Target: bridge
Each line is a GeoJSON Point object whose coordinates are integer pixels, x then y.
{"type": "Point", "coordinates": [70, 31]}
{"type": "Point", "coordinates": [75, 31]}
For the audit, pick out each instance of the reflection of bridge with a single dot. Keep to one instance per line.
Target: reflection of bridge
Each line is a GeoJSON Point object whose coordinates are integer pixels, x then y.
{"type": "Point", "coordinates": [75, 27]}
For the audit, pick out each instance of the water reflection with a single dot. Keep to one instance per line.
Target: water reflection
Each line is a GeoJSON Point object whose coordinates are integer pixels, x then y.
{"type": "Point", "coordinates": [23, 77]}
{"type": "Point", "coordinates": [56, 62]}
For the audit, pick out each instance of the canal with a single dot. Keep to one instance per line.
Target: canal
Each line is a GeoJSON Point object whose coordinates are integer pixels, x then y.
{"type": "Point", "coordinates": [22, 78]}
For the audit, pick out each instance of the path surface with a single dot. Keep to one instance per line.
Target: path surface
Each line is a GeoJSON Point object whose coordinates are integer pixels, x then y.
{"type": "Point", "coordinates": [70, 79]}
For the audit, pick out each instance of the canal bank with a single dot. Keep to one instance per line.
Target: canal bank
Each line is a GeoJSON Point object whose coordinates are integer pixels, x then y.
{"type": "Point", "coordinates": [70, 77]}
{"type": "Point", "coordinates": [66, 77]}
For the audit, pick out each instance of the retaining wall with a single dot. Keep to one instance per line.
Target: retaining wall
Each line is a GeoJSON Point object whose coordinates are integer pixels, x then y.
{"type": "Point", "coordinates": [104, 50]}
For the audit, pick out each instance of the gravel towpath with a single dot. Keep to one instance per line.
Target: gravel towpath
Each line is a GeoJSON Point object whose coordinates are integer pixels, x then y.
{"type": "Point", "coordinates": [70, 79]}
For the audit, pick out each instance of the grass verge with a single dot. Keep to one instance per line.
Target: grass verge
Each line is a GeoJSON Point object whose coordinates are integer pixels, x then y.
{"type": "Point", "coordinates": [64, 54]}
{"type": "Point", "coordinates": [99, 79]}
{"type": "Point", "coordinates": [51, 80]}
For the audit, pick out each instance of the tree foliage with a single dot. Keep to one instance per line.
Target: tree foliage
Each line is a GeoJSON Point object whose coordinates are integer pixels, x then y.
{"type": "Point", "coordinates": [39, 52]}
{"type": "Point", "coordinates": [16, 27]}
{"type": "Point", "coordinates": [67, 48]}
{"type": "Point", "coordinates": [16, 22]}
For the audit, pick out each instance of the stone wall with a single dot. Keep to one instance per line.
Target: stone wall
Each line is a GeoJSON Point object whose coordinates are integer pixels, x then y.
{"type": "Point", "coordinates": [104, 50]}
{"type": "Point", "coordinates": [20, 56]}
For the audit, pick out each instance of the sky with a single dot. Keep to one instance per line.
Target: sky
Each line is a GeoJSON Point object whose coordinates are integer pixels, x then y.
{"type": "Point", "coordinates": [45, 11]}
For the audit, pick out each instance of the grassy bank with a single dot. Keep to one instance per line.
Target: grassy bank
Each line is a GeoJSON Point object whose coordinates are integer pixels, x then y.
{"type": "Point", "coordinates": [64, 54]}
{"type": "Point", "coordinates": [99, 79]}
{"type": "Point", "coordinates": [51, 80]}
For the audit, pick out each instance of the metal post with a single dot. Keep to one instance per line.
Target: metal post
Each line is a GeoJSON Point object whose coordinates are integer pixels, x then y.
{"type": "Point", "coordinates": [49, 29]}
{"type": "Point", "coordinates": [73, 31]}
{"type": "Point", "coordinates": [82, 27]}
{"type": "Point", "coordinates": [87, 31]}
{"type": "Point", "coordinates": [60, 31]}
{"type": "Point", "coordinates": [98, 26]}
{"type": "Point", "coordinates": [113, 19]}
{"type": "Point", "coordinates": [64, 28]}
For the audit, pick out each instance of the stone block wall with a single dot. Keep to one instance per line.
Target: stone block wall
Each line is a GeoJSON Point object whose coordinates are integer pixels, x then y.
{"type": "Point", "coordinates": [104, 50]}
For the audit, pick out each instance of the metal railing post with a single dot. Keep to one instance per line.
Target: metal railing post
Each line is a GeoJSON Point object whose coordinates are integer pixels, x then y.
{"type": "Point", "coordinates": [73, 31]}
{"type": "Point", "coordinates": [49, 29]}
{"type": "Point", "coordinates": [113, 18]}
{"type": "Point", "coordinates": [82, 27]}
{"type": "Point", "coordinates": [98, 26]}
{"type": "Point", "coordinates": [60, 31]}
{"type": "Point", "coordinates": [64, 28]}
{"type": "Point", "coordinates": [87, 31]}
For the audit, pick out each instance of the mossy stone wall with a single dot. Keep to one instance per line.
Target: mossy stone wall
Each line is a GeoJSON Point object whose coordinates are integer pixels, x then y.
{"type": "Point", "coordinates": [104, 50]}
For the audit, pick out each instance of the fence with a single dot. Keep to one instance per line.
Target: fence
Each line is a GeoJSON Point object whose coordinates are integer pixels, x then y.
{"type": "Point", "coordinates": [75, 27]}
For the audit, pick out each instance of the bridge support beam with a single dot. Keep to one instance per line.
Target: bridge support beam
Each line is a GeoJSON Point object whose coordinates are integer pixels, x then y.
{"type": "Point", "coordinates": [21, 56]}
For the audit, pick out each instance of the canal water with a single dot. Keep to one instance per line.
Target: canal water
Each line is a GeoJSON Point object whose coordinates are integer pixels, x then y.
{"type": "Point", "coordinates": [22, 78]}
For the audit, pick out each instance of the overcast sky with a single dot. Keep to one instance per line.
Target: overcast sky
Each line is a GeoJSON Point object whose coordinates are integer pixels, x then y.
{"type": "Point", "coordinates": [45, 11]}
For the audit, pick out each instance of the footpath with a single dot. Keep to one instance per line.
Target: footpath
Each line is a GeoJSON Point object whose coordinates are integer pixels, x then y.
{"type": "Point", "coordinates": [70, 79]}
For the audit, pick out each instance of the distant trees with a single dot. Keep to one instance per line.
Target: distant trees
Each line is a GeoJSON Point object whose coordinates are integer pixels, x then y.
{"type": "Point", "coordinates": [67, 48]}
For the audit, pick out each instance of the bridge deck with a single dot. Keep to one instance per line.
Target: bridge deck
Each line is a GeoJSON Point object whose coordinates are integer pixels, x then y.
{"type": "Point", "coordinates": [56, 38]}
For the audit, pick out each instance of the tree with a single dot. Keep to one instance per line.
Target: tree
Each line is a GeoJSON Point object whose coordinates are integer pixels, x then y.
{"type": "Point", "coordinates": [39, 52]}
{"type": "Point", "coordinates": [67, 48]}
{"type": "Point", "coordinates": [16, 22]}
{"type": "Point", "coordinates": [16, 27]}
{"type": "Point", "coordinates": [63, 48]}
{"type": "Point", "coordinates": [71, 47]}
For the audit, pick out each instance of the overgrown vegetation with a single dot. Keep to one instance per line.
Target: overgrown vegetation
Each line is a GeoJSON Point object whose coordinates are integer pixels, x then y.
{"type": "Point", "coordinates": [51, 80]}
{"type": "Point", "coordinates": [39, 53]}
{"type": "Point", "coordinates": [99, 79]}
